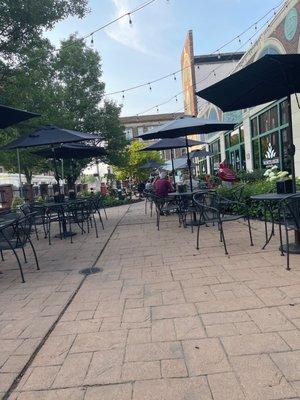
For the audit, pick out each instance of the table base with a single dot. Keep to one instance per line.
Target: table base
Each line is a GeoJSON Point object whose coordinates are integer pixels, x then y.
{"type": "Point", "coordinates": [66, 234]}
{"type": "Point", "coordinates": [294, 248]}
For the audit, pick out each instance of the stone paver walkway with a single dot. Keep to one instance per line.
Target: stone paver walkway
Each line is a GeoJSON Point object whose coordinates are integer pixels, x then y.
{"type": "Point", "coordinates": [164, 321]}
{"type": "Point", "coordinates": [29, 310]}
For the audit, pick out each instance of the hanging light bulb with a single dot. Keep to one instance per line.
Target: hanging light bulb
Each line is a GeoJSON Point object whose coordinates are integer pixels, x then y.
{"type": "Point", "coordinates": [240, 40]}
{"type": "Point", "coordinates": [255, 27]}
{"type": "Point", "coordinates": [176, 99]}
{"type": "Point", "coordinates": [92, 40]}
{"type": "Point", "coordinates": [215, 73]}
{"type": "Point", "coordinates": [157, 109]}
{"type": "Point", "coordinates": [219, 56]}
{"type": "Point", "coordinates": [129, 19]}
{"type": "Point", "coordinates": [150, 88]}
{"type": "Point", "coordinates": [174, 77]}
{"type": "Point", "coordinates": [123, 95]}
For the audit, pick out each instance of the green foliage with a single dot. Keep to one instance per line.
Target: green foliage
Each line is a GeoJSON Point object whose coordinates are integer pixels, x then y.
{"type": "Point", "coordinates": [250, 177]}
{"type": "Point", "coordinates": [66, 89]}
{"type": "Point", "coordinates": [88, 179]}
{"type": "Point", "coordinates": [255, 209]}
{"type": "Point", "coordinates": [134, 159]}
{"type": "Point", "coordinates": [17, 202]}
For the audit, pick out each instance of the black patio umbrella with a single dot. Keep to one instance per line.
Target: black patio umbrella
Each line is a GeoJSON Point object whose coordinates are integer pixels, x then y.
{"type": "Point", "coordinates": [151, 164]}
{"type": "Point", "coordinates": [170, 144]}
{"type": "Point", "coordinates": [200, 153]}
{"type": "Point", "coordinates": [72, 151]}
{"type": "Point", "coordinates": [267, 79]}
{"type": "Point", "coordinates": [10, 116]}
{"type": "Point", "coordinates": [185, 126]}
{"type": "Point", "coordinates": [49, 135]}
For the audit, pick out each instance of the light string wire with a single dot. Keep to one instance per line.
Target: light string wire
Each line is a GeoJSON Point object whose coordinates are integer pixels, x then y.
{"type": "Point", "coordinates": [174, 73]}
{"type": "Point", "coordinates": [213, 72]}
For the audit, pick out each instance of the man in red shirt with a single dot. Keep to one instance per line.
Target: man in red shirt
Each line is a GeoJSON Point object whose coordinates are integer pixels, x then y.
{"type": "Point", "coordinates": [162, 185]}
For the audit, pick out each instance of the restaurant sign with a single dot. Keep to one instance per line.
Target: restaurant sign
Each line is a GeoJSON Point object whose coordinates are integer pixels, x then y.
{"type": "Point", "coordinates": [271, 157]}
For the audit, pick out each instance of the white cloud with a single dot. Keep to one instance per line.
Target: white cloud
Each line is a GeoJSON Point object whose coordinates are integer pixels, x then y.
{"type": "Point", "coordinates": [122, 31]}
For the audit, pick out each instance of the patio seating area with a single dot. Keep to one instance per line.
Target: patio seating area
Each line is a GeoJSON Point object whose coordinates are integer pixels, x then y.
{"type": "Point", "coordinates": [163, 320]}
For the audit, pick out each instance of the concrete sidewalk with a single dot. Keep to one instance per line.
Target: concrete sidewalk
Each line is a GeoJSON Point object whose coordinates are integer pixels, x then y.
{"type": "Point", "coordinates": [164, 321]}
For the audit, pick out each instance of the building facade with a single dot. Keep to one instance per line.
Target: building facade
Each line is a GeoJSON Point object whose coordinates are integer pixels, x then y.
{"type": "Point", "coordinates": [260, 138]}
{"type": "Point", "coordinates": [137, 125]}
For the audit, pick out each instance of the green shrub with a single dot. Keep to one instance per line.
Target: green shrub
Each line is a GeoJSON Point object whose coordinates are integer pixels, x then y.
{"type": "Point", "coordinates": [254, 208]}
{"type": "Point", "coordinates": [250, 177]}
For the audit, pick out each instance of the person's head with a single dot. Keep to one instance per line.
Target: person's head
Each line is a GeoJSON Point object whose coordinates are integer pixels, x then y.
{"type": "Point", "coordinates": [162, 175]}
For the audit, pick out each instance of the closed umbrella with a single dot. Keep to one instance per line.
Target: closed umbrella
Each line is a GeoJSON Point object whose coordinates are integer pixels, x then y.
{"type": "Point", "coordinates": [72, 151]}
{"type": "Point", "coordinates": [170, 144]}
{"type": "Point", "coordinates": [185, 126]}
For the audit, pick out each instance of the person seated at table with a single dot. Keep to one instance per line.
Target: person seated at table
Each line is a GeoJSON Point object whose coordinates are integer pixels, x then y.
{"type": "Point", "coordinates": [162, 185]}
{"type": "Point", "coordinates": [149, 185]}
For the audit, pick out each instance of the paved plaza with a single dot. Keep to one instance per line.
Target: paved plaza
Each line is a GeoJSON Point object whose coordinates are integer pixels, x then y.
{"type": "Point", "coordinates": [162, 321]}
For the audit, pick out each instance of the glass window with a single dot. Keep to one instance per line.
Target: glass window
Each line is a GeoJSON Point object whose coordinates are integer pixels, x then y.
{"type": "Point", "coordinates": [283, 109]}
{"type": "Point", "coordinates": [256, 158]}
{"type": "Point", "coordinates": [270, 149]}
{"type": "Point", "coordinates": [128, 133]}
{"type": "Point", "coordinates": [242, 135]}
{"type": "Point", "coordinates": [227, 140]}
{"type": "Point", "coordinates": [254, 127]}
{"type": "Point", "coordinates": [234, 138]}
{"type": "Point", "coordinates": [286, 160]}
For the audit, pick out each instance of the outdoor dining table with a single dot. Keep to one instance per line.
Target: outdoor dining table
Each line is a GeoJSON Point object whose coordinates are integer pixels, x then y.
{"type": "Point", "coordinates": [270, 202]}
{"type": "Point", "coordinates": [60, 207]}
{"type": "Point", "coordinates": [185, 196]}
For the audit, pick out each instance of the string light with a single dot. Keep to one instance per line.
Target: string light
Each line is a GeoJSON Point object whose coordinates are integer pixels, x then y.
{"type": "Point", "coordinates": [215, 73]}
{"type": "Point", "coordinates": [174, 77]}
{"type": "Point", "coordinates": [218, 51]}
{"type": "Point", "coordinates": [150, 88]}
{"type": "Point", "coordinates": [205, 78]}
{"type": "Point", "coordinates": [129, 19]}
{"type": "Point", "coordinates": [92, 40]}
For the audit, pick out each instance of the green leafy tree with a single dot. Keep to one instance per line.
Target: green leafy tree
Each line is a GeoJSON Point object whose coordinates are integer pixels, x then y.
{"type": "Point", "coordinates": [134, 160]}
{"type": "Point", "coordinates": [67, 90]}
{"type": "Point", "coordinates": [22, 23]}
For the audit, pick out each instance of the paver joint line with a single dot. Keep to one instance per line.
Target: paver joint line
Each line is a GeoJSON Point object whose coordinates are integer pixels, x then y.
{"type": "Point", "coordinates": [44, 339]}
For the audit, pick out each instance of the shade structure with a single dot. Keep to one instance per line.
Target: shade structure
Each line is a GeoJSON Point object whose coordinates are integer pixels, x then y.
{"type": "Point", "coordinates": [185, 126]}
{"type": "Point", "coordinates": [179, 163]}
{"type": "Point", "coordinates": [49, 135]}
{"type": "Point", "coordinates": [72, 151]}
{"type": "Point", "coordinates": [151, 164]}
{"type": "Point", "coordinates": [10, 116]}
{"type": "Point", "coordinates": [269, 78]}
{"type": "Point", "coordinates": [168, 144]}
{"type": "Point", "coordinates": [200, 153]}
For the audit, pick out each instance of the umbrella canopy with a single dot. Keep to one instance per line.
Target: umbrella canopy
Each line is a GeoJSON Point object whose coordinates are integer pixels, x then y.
{"type": "Point", "coordinates": [168, 144]}
{"type": "Point", "coordinates": [185, 126]}
{"type": "Point", "coordinates": [10, 116]}
{"type": "Point", "coordinates": [269, 78]}
{"type": "Point", "coordinates": [48, 135]}
{"type": "Point", "coordinates": [151, 164]}
{"type": "Point", "coordinates": [179, 163]}
{"type": "Point", "coordinates": [200, 153]}
{"type": "Point", "coordinates": [72, 151]}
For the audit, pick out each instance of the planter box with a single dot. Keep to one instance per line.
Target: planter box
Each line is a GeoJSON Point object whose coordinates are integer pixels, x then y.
{"type": "Point", "coordinates": [284, 187]}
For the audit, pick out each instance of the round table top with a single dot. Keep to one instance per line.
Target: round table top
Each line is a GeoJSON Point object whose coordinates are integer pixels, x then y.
{"type": "Point", "coordinates": [272, 196]}
{"type": "Point", "coordinates": [188, 192]}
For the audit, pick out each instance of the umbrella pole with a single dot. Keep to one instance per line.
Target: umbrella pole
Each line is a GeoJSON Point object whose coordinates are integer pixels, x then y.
{"type": "Point", "coordinates": [295, 247]}
{"type": "Point", "coordinates": [173, 169]}
{"type": "Point", "coordinates": [189, 162]}
{"type": "Point", "coordinates": [291, 142]}
{"type": "Point", "coordinates": [55, 168]}
{"type": "Point", "coordinates": [19, 171]}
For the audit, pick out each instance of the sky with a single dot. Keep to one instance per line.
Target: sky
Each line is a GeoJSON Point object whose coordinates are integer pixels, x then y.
{"type": "Point", "coordinates": [151, 46]}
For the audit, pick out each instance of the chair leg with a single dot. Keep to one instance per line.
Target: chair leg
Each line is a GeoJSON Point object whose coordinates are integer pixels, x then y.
{"type": "Point", "coordinates": [223, 237]}
{"type": "Point", "coordinates": [280, 237]}
{"type": "Point", "coordinates": [2, 257]}
{"type": "Point", "coordinates": [24, 255]}
{"type": "Point", "coordinates": [96, 229]}
{"type": "Point", "coordinates": [20, 266]}
{"type": "Point", "coordinates": [34, 253]}
{"type": "Point", "coordinates": [104, 212]}
{"type": "Point", "coordinates": [36, 232]}
{"type": "Point", "coordinates": [198, 235]}
{"type": "Point", "coordinates": [250, 231]}
{"type": "Point", "coordinates": [100, 218]}
{"type": "Point", "coordinates": [287, 249]}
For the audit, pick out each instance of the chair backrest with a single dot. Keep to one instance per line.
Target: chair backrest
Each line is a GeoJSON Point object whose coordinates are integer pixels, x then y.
{"type": "Point", "coordinates": [207, 207]}
{"type": "Point", "coordinates": [290, 207]}
{"type": "Point", "coordinates": [236, 192]}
